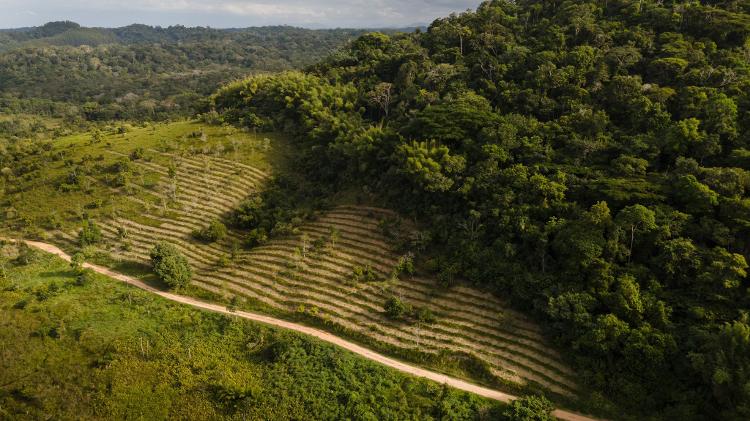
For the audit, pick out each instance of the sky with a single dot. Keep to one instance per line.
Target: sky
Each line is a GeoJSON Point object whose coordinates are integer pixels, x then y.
{"type": "Point", "coordinates": [231, 13]}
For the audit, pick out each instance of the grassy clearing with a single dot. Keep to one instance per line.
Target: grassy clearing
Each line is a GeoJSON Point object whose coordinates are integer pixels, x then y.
{"type": "Point", "coordinates": [73, 179]}
{"type": "Point", "coordinates": [102, 350]}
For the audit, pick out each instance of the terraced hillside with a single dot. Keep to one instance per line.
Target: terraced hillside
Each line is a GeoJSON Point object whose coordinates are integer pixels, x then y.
{"type": "Point", "coordinates": [313, 271]}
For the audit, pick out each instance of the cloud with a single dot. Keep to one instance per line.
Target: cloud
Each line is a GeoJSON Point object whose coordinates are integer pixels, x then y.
{"type": "Point", "coordinates": [226, 13]}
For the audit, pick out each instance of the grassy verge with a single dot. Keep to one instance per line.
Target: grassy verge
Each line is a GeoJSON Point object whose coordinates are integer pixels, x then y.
{"type": "Point", "coordinates": [99, 349]}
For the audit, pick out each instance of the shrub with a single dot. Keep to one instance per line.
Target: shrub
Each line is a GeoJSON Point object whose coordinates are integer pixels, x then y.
{"type": "Point", "coordinates": [405, 265]}
{"type": "Point", "coordinates": [216, 231]}
{"type": "Point", "coordinates": [138, 153]}
{"type": "Point", "coordinates": [76, 262]}
{"type": "Point", "coordinates": [90, 234]}
{"type": "Point", "coordinates": [395, 308]}
{"type": "Point", "coordinates": [170, 265]}
{"type": "Point", "coordinates": [424, 315]}
{"type": "Point", "coordinates": [26, 255]}
{"type": "Point", "coordinates": [84, 278]}
{"type": "Point", "coordinates": [363, 274]}
{"type": "Point", "coordinates": [529, 408]}
{"type": "Point", "coordinates": [256, 237]}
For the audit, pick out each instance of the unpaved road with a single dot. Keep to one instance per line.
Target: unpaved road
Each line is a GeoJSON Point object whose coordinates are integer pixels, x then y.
{"type": "Point", "coordinates": [324, 336]}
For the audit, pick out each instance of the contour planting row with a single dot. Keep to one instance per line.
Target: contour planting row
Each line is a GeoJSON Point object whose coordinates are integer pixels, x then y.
{"type": "Point", "coordinates": [196, 185]}
{"type": "Point", "coordinates": [284, 258]}
{"type": "Point", "coordinates": [478, 298]}
{"type": "Point", "coordinates": [347, 257]}
{"type": "Point", "coordinates": [323, 293]}
{"type": "Point", "coordinates": [323, 296]}
{"type": "Point", "coordinates": [313, 271]}
{"type": "Point", "coordinates": [407, 292]}
{"type": "Point", "coordinates": [226, 166]}
{"type": "Point", "coordinates": [322, 280]}
{"type": "Point", "coordinates": [202, 181]}
{"type": "Point", "coordinates": [467, 296]}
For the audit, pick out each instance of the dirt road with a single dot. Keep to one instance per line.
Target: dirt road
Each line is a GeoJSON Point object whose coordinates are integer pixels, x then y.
{"type": "Point", "coordinates": [324, 336]}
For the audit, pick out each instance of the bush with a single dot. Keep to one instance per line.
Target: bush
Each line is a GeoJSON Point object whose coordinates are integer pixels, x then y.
{"type": "Point", "coordinates": [170, 265]}
{"type": "Point", "coordinates": [529, 408]}
{"type": "Point", "coordinates": [138, 153]}
{"type": "Point", "coordinates": [90, 234]}
{"type": "Point", "coordinates": [256, 237]}
{"type": "Point", "coordinates": [425, 315]}
{"type": "Point", "coordinates": [216, 231]}
{"type": "Point", "coordinates": [363, 274]}
{"type": "Point", "coordinates": [395, 308]}
{"type": "Point", "coordinates": [26, 255]}
{"type": "Point", "coordinates": [76, 262]}
{"type": "Point", "coordinates": [85, 278]}
{"type": "Point", "coordinates": [405, 265]}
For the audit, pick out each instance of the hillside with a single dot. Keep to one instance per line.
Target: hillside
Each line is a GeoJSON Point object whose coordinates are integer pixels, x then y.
{"type": "Point", "coordinates": [85, 347]}
{"type": "Point", "coordinates": [338, 268]}
{"type": "Point", "coordinates": [544, 198]}
{"type": "Point", "coordinates": [586, 161]}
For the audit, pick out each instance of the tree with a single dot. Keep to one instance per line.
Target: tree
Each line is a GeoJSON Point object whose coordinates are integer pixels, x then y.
{"type": "Point", "coordinates": [633, 219]}
{"type": "Point", "coordinates": [725, 365]}
{"type": "Point", "coordinates": [694, 195]}
{"type": "Point", "coordinates": [170, 265]}
{"type": "Point", "coordinates": [382, 96]}
{"type": "Point", "coordinates": [215, 231]}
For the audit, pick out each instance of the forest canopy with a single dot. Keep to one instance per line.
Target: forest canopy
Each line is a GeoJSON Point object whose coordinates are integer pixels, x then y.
{"type": "Point", "coordinates": [590, 160]}
{"type": "Point", "coordinates": [140, 72]}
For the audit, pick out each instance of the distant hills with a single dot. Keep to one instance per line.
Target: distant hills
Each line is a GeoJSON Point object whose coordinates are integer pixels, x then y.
{"type": "Point", "coordinates": [67, 33]}
{"type": "Point", "coordinates": [144, 72]}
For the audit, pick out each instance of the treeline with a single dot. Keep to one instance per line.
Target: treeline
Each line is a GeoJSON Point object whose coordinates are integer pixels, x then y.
{"type": "Point", "coordinates": [587, 159]}
{"type": "Point", "coordinates": [145, 73]}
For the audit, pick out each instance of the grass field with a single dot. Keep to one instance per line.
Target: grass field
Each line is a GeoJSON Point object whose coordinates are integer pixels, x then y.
{"type": "Point", "coordinates": [97, 349]}
{"type": "Point", "coordinates": [185, 175]}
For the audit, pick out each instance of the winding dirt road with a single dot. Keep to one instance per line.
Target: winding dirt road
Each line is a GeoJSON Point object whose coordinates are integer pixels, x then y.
{"type": "Point", "coordinates": [324, 336]}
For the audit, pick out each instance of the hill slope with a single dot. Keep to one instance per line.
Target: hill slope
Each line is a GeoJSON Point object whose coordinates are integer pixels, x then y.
{"type": "Point", "coordinates": [587, 159]}
{"type": "Point", "coordinates": [89, 349]}
{"type": "Point", "coordinates": [338, 268]}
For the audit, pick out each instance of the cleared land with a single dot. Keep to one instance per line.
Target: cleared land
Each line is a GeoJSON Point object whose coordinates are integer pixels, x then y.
{"type": "Point", "coordinates": [312, 271]}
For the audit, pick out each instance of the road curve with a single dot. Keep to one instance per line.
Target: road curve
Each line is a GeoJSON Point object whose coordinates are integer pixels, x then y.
{"type": "Point", "coordinates": [322, 335]}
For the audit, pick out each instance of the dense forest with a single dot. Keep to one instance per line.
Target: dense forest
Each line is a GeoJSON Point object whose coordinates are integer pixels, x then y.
{"type": "Point", "coordinates": [587, 159]}
{"type": "Point", "coordinates": [141, 72]}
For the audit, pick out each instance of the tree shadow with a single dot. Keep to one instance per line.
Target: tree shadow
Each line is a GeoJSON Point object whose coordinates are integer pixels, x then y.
{"type": "Point", "coordinates": [140, 271]}
{"type": "Point", "coordinates": [57, 274]}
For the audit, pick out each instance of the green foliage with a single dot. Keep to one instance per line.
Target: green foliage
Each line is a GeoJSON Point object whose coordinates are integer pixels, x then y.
{"type": "Point", "coordinates": [588, 160]}
{"type": "Point", "coordinates": [101, 349]}
{"type": "Point", "coordinates": [215, 231]}
{"type": "Point", "coordinates": [77, 261]}
{"type": "Point", "coordinates": [725, 366]}
{"type": "Point", "coordinates": [396, 309]}
{"type": "Point", "coordinates": [146, 73]}
{"type": "Point", "coordinates": [90, 234]}
{"type": "Point", "coordinates": [529, 408]}
{"type": "Point", "coordinates": [170, 265]}
{"type": "Point", "coordinates": [26, 254]}
{"type": "Point", "coordinates": [363, 274]}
